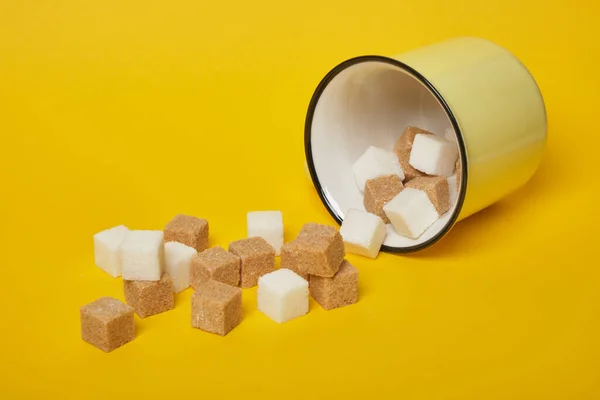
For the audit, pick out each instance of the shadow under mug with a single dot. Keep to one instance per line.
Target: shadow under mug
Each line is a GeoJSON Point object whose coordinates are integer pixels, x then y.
{"type": "Point", "coordinates": [468, 89]}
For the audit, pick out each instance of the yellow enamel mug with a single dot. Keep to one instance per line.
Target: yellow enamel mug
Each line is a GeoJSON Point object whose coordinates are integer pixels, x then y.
{"type": "Point", "coordinates": [468, 89]}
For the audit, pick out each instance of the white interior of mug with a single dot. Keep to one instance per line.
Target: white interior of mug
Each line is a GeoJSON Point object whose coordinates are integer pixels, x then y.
{"type": "Point", "coordinates": [370, 103]}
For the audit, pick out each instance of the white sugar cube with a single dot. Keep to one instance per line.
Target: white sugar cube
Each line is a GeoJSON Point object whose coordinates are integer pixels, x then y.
{"type": "Point", "coordinates": [374, 163]}
{"type": "Point", "coordinates": [452, 190]}
{"type": "Point", "coordinates": [433, 155]}
{"type": "Point", "coordinates": [143, 256]}
{"type": "Point", "coordinates": [282, 295]}
{"type": "Point", "coordinates": [411, 212]}
{"type": "Point", "coordinates": [177, 264]}
{"type": "Point", "coordinates": [106, 249]}
{"type": "Point", "coordinates": [267, 225]}
{"type": "Point", "coordinates": [363, 233]}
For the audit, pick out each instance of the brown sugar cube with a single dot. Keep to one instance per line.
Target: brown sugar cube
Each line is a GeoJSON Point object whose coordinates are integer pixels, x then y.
{"type": "Point", "coordinates": [150, 297]}
{"type": "Point", "coordinates": [410, 172]}
{"type": "Point", "coordinates": [289, 255]}
{"type": "Point", "coordinates": [339, 290]}
{"type": "Point", "coordinates": [107, 323]}
{"type": "Point", "coordinates": [188, 230]}
{"type": "Point", "coordinates": [215, 264]}
{"type": "Point", "coordinates": [216, 307]}
{"type": "Point", "coordinates": [318, 250]}
{"type": "Point", "coordinates": [402, 149]}
{"type": "Point", "coordinates": [378, 192]}
{"type": "Point", "coordinates": [436, 188]}
{"type": "Point", "coordinates": [257, 258]}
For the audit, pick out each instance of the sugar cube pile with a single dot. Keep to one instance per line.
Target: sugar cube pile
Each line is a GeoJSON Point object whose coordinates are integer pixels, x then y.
{"type": "Point", "coordinates": [405, 189]}
{"type": "Point", "coordinates": [410, 200]}
{"type": "Point", "coordinates": [156, 265]}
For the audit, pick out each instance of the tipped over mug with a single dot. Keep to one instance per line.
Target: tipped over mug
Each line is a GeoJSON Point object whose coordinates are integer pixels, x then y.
{"type": "Point", "coordinates": [468, 88]}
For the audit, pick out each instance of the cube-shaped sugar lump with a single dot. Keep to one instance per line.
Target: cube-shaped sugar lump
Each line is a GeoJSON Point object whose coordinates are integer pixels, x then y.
{"type": "Point", "coordinates": [433, 155]}
{"type": "Point", "coordinates": [373, 163]}
{"type": "Point", "coordinates": [106, 249]}
{"type": "Point", "coordinates": [436, 188]}
{"type": "Point", "coordinates": [257, 258]}
{"type": "Point", "coordinates": [282, 295]}
{"type": "Point", "coordinates": [290, 252]}
{"type": "Point", "coordinates": [402, 149]}
{"type": "Point", "coordinates": [318, 250]}
{"type": "Point", "coordinates": [339, 290]}
{"type": "Point", "coordinates": [178, 257]}
{"type": "Point", "coordinates": [215, 264]}
{"type": "Point", "coordinates": [452, 189]}
{"type": "Point", "coordinates": [378, 192]}
{"type": "Point", "coordinates": [216, 307]}
{"type": "Point", "coordinates": [150, 297]}
{"type": "Point", "coordinates": [267, 225]}
{"type": "Point", "coordinates": [143, 256]}
{"type": "Point", "coordinates": [363, 233]}
{"type": "Point", "coordinates": [189, 230]}
{"type": "Point", "coordinates": [411, 212]}
{"type": "Point", "coordinates": [107, 323]}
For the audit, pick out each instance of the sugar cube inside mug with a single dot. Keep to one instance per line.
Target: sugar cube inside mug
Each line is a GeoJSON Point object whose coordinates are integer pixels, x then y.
{"type": "Point", "coordinates": [433, 155]}
{"type": "Point", "coordinates": [373, 163]}
{"type": "Point", "coordinates": [411, 212]}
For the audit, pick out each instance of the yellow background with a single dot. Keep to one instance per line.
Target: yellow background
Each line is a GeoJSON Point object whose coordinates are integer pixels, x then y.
{"type": "Point", "coordinates": [129, 112]}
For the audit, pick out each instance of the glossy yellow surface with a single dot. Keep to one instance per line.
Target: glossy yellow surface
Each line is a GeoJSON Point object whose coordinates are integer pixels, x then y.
{"type": "Point", "coordinates": [132, 111]}
{"type": "Point", "coordinates": [498, 107]}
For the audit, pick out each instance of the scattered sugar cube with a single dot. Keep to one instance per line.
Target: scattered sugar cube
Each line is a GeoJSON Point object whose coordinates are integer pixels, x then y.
{"type": "Point", "coordinates": [378, 192]}
{"type": "Point", "coordinates": [143, 256]}
{"type": "Point", "coordinates": [282, 295]}
{"type": "Point", "coordinates": [107, 323]}
{"type": "Point", "coordinates": [267, 225]}
{"type": "Point", "coordinates": [452, 189]}
{"type": "Point", "coordinates": [150, 297]}
{"type": "Point", "coordinates": [216, 307]}
{"type": "Point", "coordinates": [106, 249]}
{"type": "Point", "coordinates": [402, 149]}
{"type": "Point", "coordinates": [363, 233]}
{"type": "Point", "coordinates": [433, 155]}
{"type": "Point", "coordinates": [177, 264]}
{"type": "Point", "coordinates": [373, 163]}
{"type": "Point", "coordinates": [257, 258]}
{"type": "Point", "coordinates": [189, 230]}
{"type": "Point", "coordinates": [289, 255]}
{"type": "Point", "coordinates": [339, 290]}
{"type": "Point", "coordinates": [215, 264]}
{"type": "Point", "coordinates": [411, 212]}
{"type": "Point", "coordinates": [436, 188]}
{"type": "Point", "coordinates": [318, 250]}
